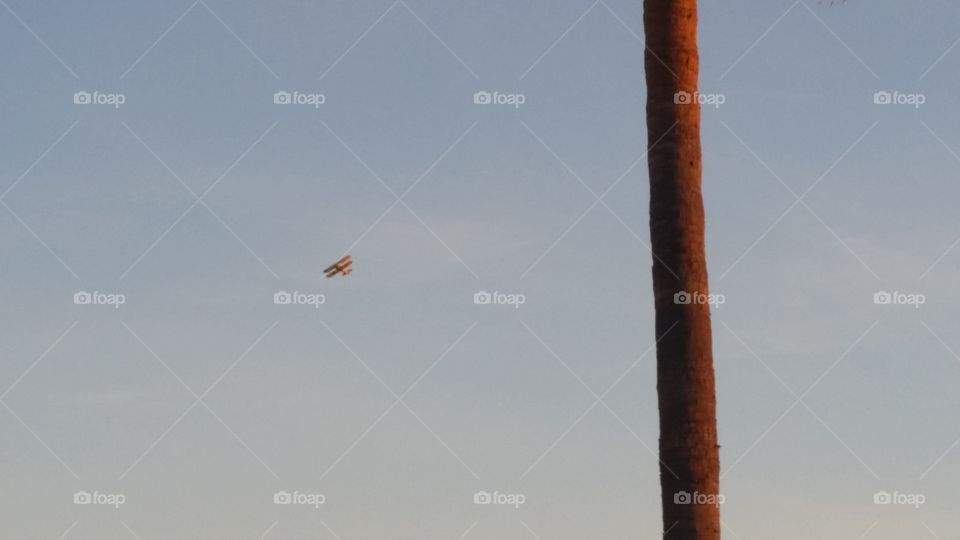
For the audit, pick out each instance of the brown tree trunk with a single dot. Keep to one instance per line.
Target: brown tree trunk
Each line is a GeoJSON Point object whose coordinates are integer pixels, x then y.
{"type": "Point", "coordinates": [689, 455]}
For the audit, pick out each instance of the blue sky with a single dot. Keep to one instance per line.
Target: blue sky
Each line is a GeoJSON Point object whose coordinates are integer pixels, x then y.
{"type": "Point", "coordinates": [399, 398]}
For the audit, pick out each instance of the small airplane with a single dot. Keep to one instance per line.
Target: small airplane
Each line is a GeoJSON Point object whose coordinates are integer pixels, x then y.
{"type": "Point", "coordinates": [341, 267]}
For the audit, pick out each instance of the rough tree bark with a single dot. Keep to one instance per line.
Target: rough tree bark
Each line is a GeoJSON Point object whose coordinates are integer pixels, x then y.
{"type": "Point", "coordinates": [689, 453]}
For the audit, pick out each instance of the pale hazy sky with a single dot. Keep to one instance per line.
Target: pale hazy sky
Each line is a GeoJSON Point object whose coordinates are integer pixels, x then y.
{"type": "Point", "coordinates": [398, 399]}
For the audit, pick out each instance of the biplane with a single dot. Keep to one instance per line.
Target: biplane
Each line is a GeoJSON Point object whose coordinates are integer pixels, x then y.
{"type": "Point", "coordinates": [341, 267]}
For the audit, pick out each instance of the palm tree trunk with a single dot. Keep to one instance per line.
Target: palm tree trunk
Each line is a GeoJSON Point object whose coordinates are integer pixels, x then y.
{"type": "Point", "coordinates": [689, 455]}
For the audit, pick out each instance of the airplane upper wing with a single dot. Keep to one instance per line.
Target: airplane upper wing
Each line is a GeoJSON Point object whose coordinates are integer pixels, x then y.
{"type": "Point", "coordinates": [343, 262]}
{"type": "Point", "coordinates": [340, 267]}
